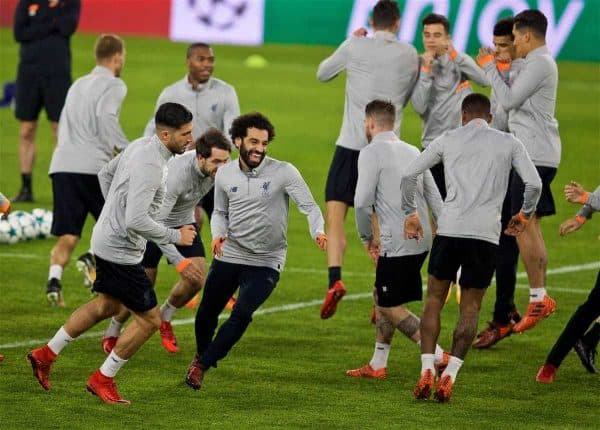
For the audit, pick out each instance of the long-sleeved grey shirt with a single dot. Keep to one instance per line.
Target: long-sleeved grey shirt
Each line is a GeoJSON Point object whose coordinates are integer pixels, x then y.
{"type": "Point", "coordinates": [499, 114]}
{"type": "Point", "coordinates": [380, 67]}
{"type": "Point", "coordinates": [380, 167]}
{"type": "Point", "coordinates": [133, 185]}
{"type": "Point", "coordinates": [591, 205]}
{"type": "Point", "coordinates": [251, 211]}
{"type": "Point", "coordinates": [477, 162]}
{"type": "Point", "coordinates": [439, 92]}
{"type": "Point", "coordinates": [213, 104]}
{"type": "Point", "coordinates": [89, 129]}
{"type": "Point", "coordinates": [531, 100]}
{"type": "Point", "coordinates": [186, 184]}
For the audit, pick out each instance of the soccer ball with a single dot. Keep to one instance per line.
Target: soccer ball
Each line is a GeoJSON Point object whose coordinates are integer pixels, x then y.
{"type": "Point", "coordinates": [26, 221]}
{"type": "Point", "coordinates": [220, 14]}
{"type": "Point", "coordinates": [43, 219]}
{"type": "Point", "coordinates": [9, 233]}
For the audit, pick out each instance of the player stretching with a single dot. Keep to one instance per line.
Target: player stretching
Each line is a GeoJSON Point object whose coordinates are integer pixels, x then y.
{"type": "Point", "coordinates": [477, 161]}
{"type": "Point", "coordinates": [377, 67]}
{"type": "Point", "coordinates": [399, 261]}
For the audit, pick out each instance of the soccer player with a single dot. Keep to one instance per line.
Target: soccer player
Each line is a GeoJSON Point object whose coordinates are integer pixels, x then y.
{"type": "Point", "coordinates": [44, 30]}
{"type": "Point", "coordinates": [531, 100]}
{"type": "Point", "coordinates": [213, 102]}
{"type": "Point", "coordinates": [189, 178]}
{"type": "Point", "coordinates": [505, 312]}
{"type": "Point", "coordinates": [477, 160]}
{"type": "Point", "coordinates": [133, 186]}
{"type": "Point", "coordinates": [249, 228]}
{"type": "Point", "coordinates": [590, 309]}
{"type": "Point", "coordinates": [377, 67]}
{"type": "Point", "coordinates": [442, 85]}
{"type": "Point", "coordinates": [587, 345]}
{"type": "Point", "coordinates": [88, 136]}
{"type": "Point", "coordinates": [399, 261]}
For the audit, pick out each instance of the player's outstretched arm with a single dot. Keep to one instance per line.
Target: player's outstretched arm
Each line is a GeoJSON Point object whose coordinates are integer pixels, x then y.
{"type": "Point", "coordinates": [298, 190]}
{"type": "Point", "coordinates": [333, 65]}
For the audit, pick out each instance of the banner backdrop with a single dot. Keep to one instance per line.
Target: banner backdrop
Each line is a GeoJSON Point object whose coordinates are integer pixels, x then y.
{"type": "Point", "coordinates": [573, 29]}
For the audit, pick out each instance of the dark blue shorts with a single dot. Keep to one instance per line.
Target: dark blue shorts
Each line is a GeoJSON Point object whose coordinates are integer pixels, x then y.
{"type": "Point", "coordinates": [126, 282]}
{"type": "Point", "coordinates": [74, 196]}
{"type": "Point", "coordinates": [477, 259]}
{"type": "Point", "coordinates": [153, 254]}
{"type": "Point", "coordinates": [343, 176]}
{"type": "Point", "coordinates": [35, 92]}
{"type": "Point", "coordinates": [545, 206]}
{"type": "Point", "coordinates": [398, 279]}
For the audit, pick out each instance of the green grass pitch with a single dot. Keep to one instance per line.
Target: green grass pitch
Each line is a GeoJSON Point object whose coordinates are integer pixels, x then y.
{"type": "Point", "coordinates": [288, 370]}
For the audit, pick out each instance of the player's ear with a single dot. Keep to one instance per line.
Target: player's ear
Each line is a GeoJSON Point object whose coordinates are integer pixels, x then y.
{"type": "Point", "coordinates": [237, 142]}
{"type": "Point", "coordinates": [489, 117]}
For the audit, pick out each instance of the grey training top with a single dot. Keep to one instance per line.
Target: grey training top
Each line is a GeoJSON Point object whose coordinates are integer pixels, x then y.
{"type": "Point", "coordinates": [591, 205]}
{"type": "Point", "coordinates": [88, 129]}
{"type": "Point", "coordinates": [438, 95]}
{"type": "Point", "coordinates": [186, 184]}
{"type": "Point", "coordinates": [213, 104]}
{"type": "Point", "coordinates": [477, 162]}
{"type": "Point", "coordinates": [251, 211]}
{"type": "Point", "coordinates": [499, 114]}
{"type": "Point", "coordinates": [380, 67]}
{"type": "Point", "coordinates": [531, 100]}
{"type": "Point", "coordinates": [380, 167]}
{"type": "Point", "coordinates": [133, 185]}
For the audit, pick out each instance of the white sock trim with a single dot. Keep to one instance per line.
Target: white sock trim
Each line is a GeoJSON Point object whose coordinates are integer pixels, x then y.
{"type": "Point", "coordinates": [114, 328]}
{"type": "Point", "coordinates": [167, 310]}
{"type": "Point", "coordinates": [427, 361]}
{"type": "Point", "coordinates": [59, 341]}
{"type": "Point", "coordinates": [454, 364]}
{"type": "Point", "coordinates": [380, 355]}
{"type": "Point", "coordinates": [56, 271]}
{"type": "Point", "coordinates": [536, 294]}
{"type": "Point", "coordinates": [111, 365]}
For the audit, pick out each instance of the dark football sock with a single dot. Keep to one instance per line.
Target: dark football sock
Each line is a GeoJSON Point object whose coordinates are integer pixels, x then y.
{"type": "Point", "coordinates": [335, 274]}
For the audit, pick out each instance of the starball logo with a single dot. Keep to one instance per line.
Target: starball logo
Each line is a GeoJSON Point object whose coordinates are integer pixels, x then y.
{"type": "Point", "coordinates": [475, 18]}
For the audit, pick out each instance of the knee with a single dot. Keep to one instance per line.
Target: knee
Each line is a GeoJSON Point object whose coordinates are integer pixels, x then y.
{"type": "Point", "coordinates": [27, 131]}
{"type": "Point", "coordinates": [151, 322]}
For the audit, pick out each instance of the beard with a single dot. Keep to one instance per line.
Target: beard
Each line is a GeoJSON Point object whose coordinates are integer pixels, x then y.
{"type": "Point", "coordinates": [245, 154]}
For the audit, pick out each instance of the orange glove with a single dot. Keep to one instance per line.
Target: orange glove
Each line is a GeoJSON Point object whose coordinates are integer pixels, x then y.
{"type": "Point", "coordinates": [322, 242]}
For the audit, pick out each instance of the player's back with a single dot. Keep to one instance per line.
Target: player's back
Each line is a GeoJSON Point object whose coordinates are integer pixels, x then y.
{"type": "Point", "coordinates": [80, 148]}
{"type": "Point", "coordinates": [379, 67]}
{"type": "Point", "coordinates": [477, 162]}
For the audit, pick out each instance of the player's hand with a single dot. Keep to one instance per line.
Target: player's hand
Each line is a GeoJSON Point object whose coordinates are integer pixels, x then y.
{"type": "Point", "coordinates": [217, 246]}
{"type": "Point", "coordinates": [373, 248]}
{"type": "Point", "coordinates": [427, 59]}
{"type": "Point", "coordinates": [485, 56]}
{"type": "Point", "coordinates": [187, 233]}
{"type": "Point", "coordinates": [413, 228]}
{"type": "Point", "coordinates": [574, 192]}
{"type": "Point", "coordinates": [503, 58]}
{"type": "Point", "coordinates": [193, 274]}
{"type": "Point", "coordinates": [322, 242]}
{"type": "Point", "coordinates": [569, 226]}
{"type": "Point", "coordinates": [516, 225]}
{"type": "Point", "coordinates": [360, 32]}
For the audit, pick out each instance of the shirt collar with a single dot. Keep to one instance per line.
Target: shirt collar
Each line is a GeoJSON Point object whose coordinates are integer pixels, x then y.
{"type": "Point", "coordinates": [165, 153]}
{"type": "Point", "coordinates": [101, 70]}
{"type": "Point", "coordinates": [253, 173]}
{"type": "Point", "coordinates": [477, 122]}
{"type": "Point", "coordinates": [385, 35]}
{"type": "Point", "coordinates": [541, 50]}
{"type": "Point", "coordinates": [200, 87]}
{"type": "Point", "coordinates": [196, 168]}
{"type": "Point", "coordinates": [384, 135]}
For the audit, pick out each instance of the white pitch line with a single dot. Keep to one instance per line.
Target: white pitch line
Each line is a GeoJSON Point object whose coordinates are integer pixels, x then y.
{"type": "Point", "coordinates": [265, 311]}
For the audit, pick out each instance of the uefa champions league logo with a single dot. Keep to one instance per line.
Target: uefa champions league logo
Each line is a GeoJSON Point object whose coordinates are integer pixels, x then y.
{"type": "Point", "coordinates": [219, 14]}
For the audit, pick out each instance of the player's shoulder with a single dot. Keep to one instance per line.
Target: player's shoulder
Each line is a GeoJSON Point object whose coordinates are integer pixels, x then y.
{"type": "Point", "coordinates": [217, 83]}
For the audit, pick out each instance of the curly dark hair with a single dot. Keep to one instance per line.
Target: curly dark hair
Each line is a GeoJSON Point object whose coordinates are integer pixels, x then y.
{"type": "Point", "coordinates": [239, 127]}
{"type": "Point", "coordinates": [211, 138]}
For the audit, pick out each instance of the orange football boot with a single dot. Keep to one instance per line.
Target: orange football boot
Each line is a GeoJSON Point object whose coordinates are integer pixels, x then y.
{"type": "Point", "coordinates": [368, 372]}
{"type": "Point", "coordinates": [105, 388]}
{"type": "Point", "coordinates": [443, 391]}
{"type": "Point", "coordinates": [333, 296]}
{"type": "Point", "coordinates": [425, 385]}
{"type": "Point", "coordinates": [536, 311]}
